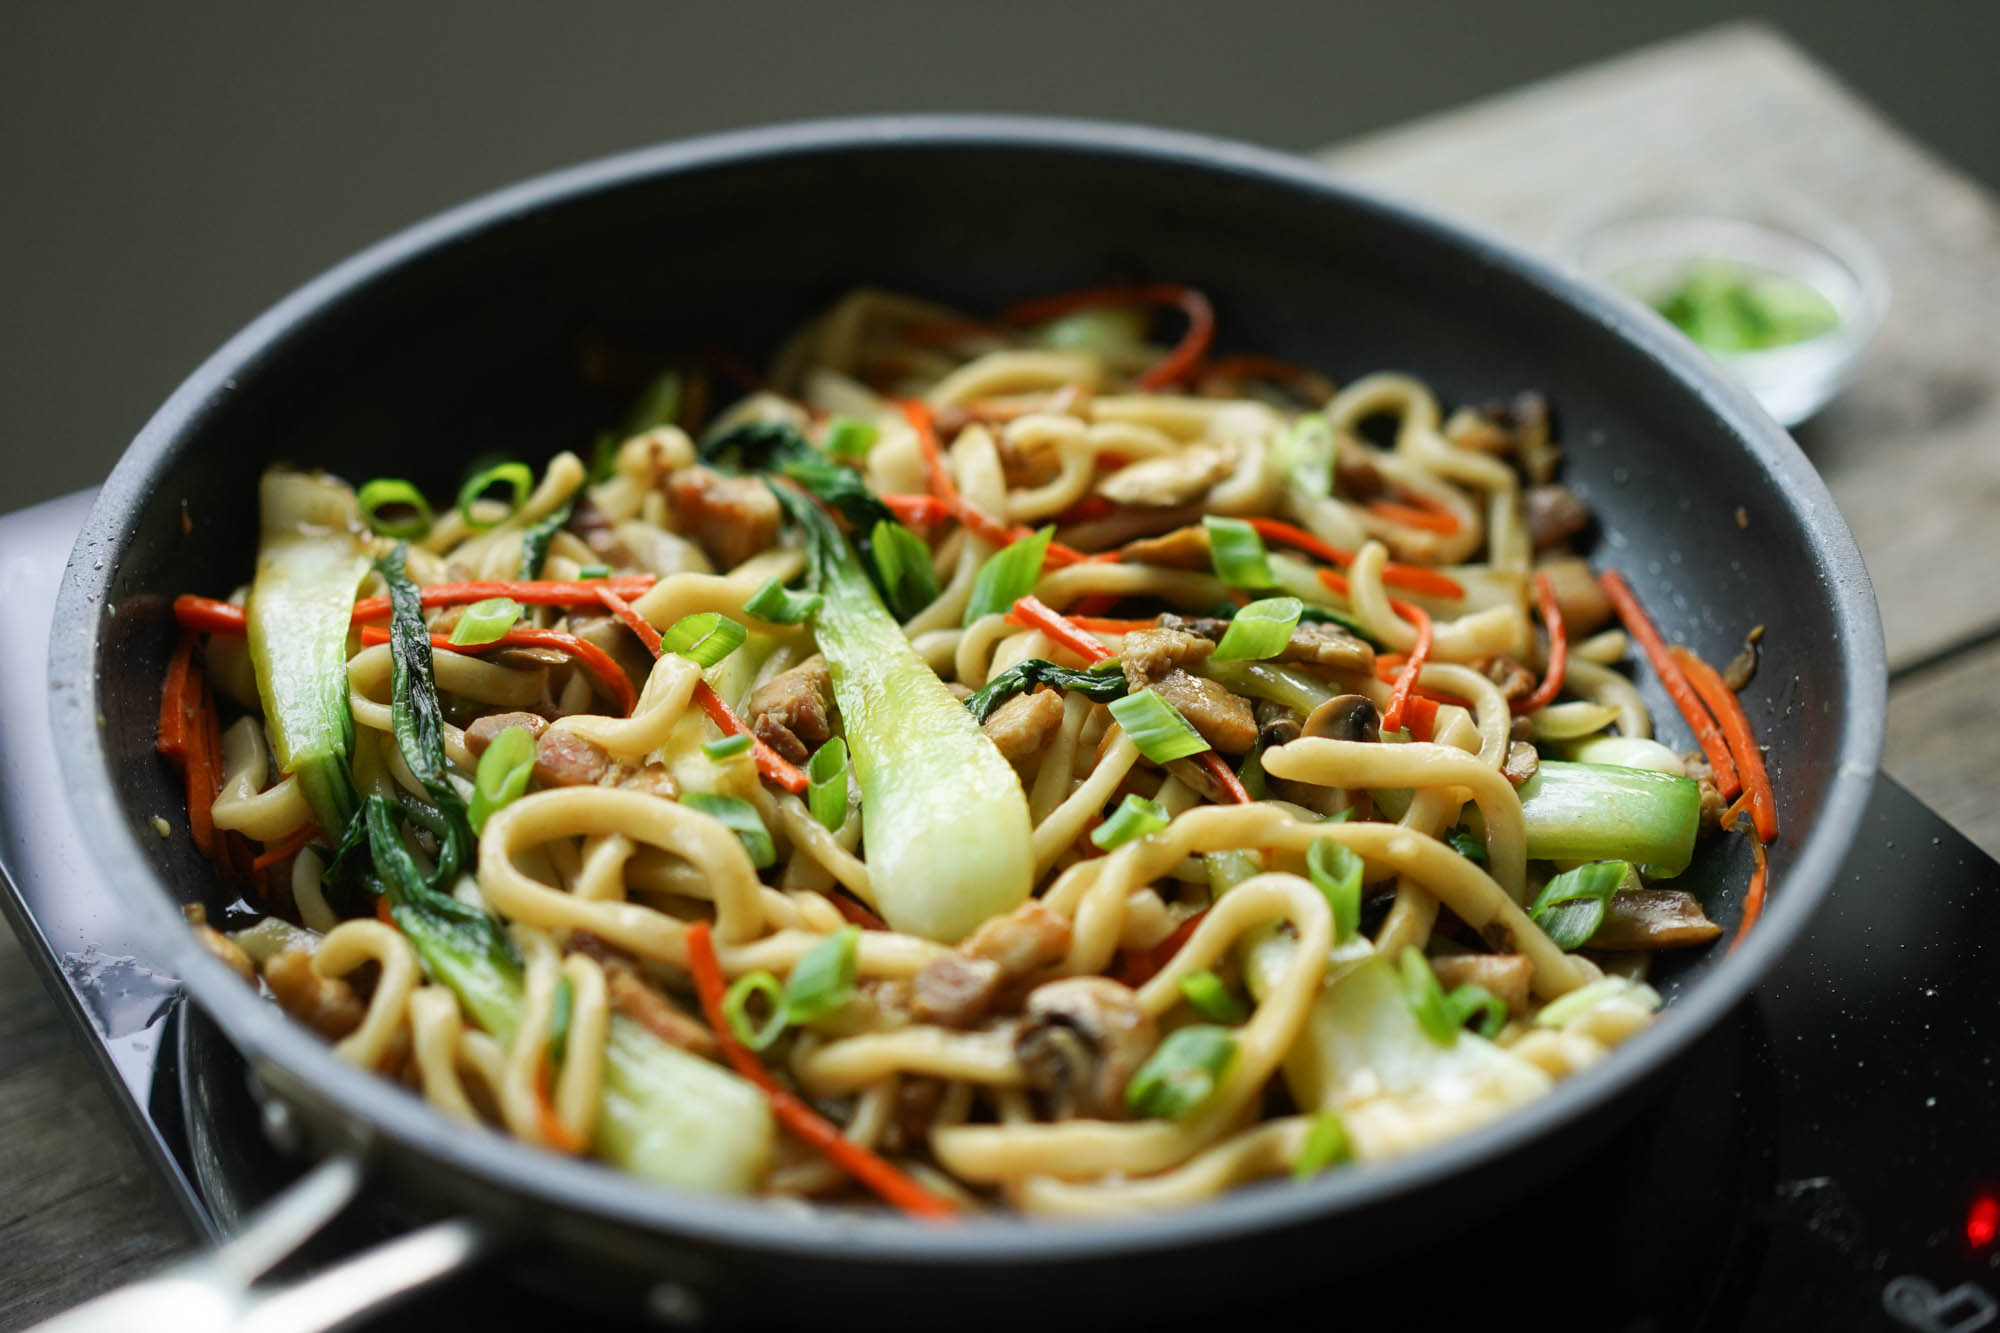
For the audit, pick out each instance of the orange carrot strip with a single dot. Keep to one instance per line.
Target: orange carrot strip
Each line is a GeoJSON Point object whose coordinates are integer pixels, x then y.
{"type": "Point", "coordinates": [289, 845]}
{"type": "Point", "coordinates": [938, 477]}
{"type": "Point", "coordinates": [171, 733]}
{"type": "Point", "coordinates": [199, 774]}
{"type": "Point", "coordinates": [631, 619]}
{"type": "Point", "coordinates": [1088, 508]}
{"type": "Point", "coordinates": [1753, 898]}
{"type": "Point", "coordinates": [854, 912]}
{"type": "Point", "coordinates": [1142, 965]}
{"type": "Point", "coordinates": [1177, 364]}
{"type": "Point", "coordinates": [1737, 807]}
{"type": "Point", "coordinates": [1422, 712]}
{"type": "Point", "coordinates": [1096, 604]}
{"type": "Point", "coordinates": [892, 1185]}
{"type": "Point", "coordinates": [383, 912]}
{"type": "Point", "coordinates": [1107, 624]}
{"type": "Point", "coordinates": [917, 510]}
{"type": "Point", "coordinates": [1410, 578]}
{"type": "Point", "coordinates": [1414, 516]}
{"type": "Point", "coordinates": [1552, 682]}
{"type": "Point", "coordinates": [551, 1125]}
{"type": "Point", "coordinates": [1735, 724]}
{"type": "Point", "coordinates": [206, 615]}
{"type": "Point", "coordinates": [528, 592]}
{"type": "Point", "coordinates": [1706, 733]}
{"type": "Point", "coordinates": [1406, 678]}
{"type": "Point", "coordinates": [599, 662]}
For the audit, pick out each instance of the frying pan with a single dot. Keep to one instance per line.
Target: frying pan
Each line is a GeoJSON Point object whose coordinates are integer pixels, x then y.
{"type": "Point", "coordinates": [457, 338]}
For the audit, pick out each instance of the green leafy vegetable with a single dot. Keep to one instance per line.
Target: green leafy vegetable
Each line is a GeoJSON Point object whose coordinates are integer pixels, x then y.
{"type": "Point", "coordinates": [1156, 727]}
{"type": "Point", "coordinates": [1571, 906]}
{"type": "Point", "coordinates": [1466, 845]}
{"type": "Point", "coordinates": [1008, 575]}
{"type": "Point", "coordinates": [902, 568]}
{"type": "Point", "coordinates": [1100, 683]}
{"type": "Point", "coordinates": [778, 605]}
{"type": "Point", "coordinates": [823, 978]}
{"type": "Point", "coordinates": [416, 718]}
{"type": "Point", "coordinates": [1426, 997]}
{"type": "Point", "coordinates": [1326, 1145]}
{"type": "Point", "coordinates": [1594, 812]}
{"type": "Point", "coordinates": [395, 493]}
{"type": "Point", "coordinates": [1135, 817]}
{"type": "Point", "coordinates": [742, 819]}
{"type": "Point", "coordinates": [1182, 1072]}
{"type": "Point", "coordinates": [848, 439]}
{"type": "Point", "coordinates": [561, 1012]}
{"type": "Point", "coordinates": [1259, 630]}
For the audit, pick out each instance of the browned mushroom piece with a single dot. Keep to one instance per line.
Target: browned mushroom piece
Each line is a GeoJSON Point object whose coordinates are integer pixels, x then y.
{"type": "Point", "coordinates": [1346, 717]}
{"type": "Point", "coordinates": [793, 712]}
{"type": "Point", "coordinates": [955, 991]}
{"type": "Point", "coordinates": [1276, 724]}
{"type": "Point", "coordinates": [1521, 762]}
{"type": "Point", "coordinates": [1022, 726]}
{"type": "Point", "coordinates": [1211, 628]}
{"type": "Point", "coordinates": [482, 731]}
{"type": "Point", "coordinates": [730, 518]}
{"type": "Point", "coordinates": [1082, 1040]}
{"type": "Point", "coordinates": [1514, 680]}
{"type": "Point", "coordinates": [1172, 479]}
{"type": "Point", "coordinates": [620, 643]}
{"type": "Point", "coordinates": [1505, 974]}
{"type": "Point", "coordinates": [1553, 515]}
{"type": "Point", "coordinates": [328, 1005]}
{"type": "Point", "coordinates": [1653, 919]}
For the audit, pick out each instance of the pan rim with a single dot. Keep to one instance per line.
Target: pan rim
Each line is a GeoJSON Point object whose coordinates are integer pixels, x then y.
{"type": "Point", "coordinates": [264, 1034]}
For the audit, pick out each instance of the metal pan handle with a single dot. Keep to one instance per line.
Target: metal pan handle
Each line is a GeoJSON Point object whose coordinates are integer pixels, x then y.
{"type": "Point", "coordinates": [215, 1290]}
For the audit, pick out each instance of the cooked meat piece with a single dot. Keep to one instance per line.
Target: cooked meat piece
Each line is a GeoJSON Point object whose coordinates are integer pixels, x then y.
{"type": "Point", "coordinates": [1521, 729]}
{"type": "Point", "coordinates": [1521, 762]}
{"type": "Point", "coordinates": [1183, 548]}
{"type": "Point", "coordinates": [793, 712]}
{"type": "Point", "coordinates": [600, 534]}
{"type": "Point", "coordinates": [1211, 628]}
{"type": "Point", "coordinates": [917, 1103]}
{"type": "Point", "coordinates": [653, 779]}
{"type": "Point", "coordinates": [1223, 719]}
{"type": "Point", "coordinates": [526, 657]}
{"type": "Point", "coordinates": [1356, 477]}
{"type": "Point", "coordinates": [1515, 681]}
{"type": "Point", "coordinates": [1585, 608]}
{"type": "Point", "coordinates": [955, 991]}
{"type": "Point", "coordinates": [648, 1006]}
{"type": "Point", "coordinates": [1525, 419]}
{"type": "Point", "coordinates": [1276, 724]}
{"type": "Point", "coordinates": [483, 729]}
{"type": "Point", "coordinates": [1553, 515]}
{"type": "Point", "coordinates": [1023, 725]}
{"type": "Point", "coordinates": [730, 518]}
{"type": "Point", "coordinates": [1023, 942]}
{"type": "Point", "coordinates": [1151, 653]}
{"type": "Point", "coordinates": [1505, 974]}
{"type": "Point", "coordinates": [227, 951]}
{"type": "Point", "coordinates": [618, 642]}
{"type": "Point", "coordinates": [328, 1005]}
{"type": "Point", "coordinates": [1346, 717]}
{"type": "Point", "coordinates": [1316, 643]}
{"type": "Point", "coordinates": [1173, 479]}
{"type": "Point", "coordinates": [1653, 919]}
{"type": "Point", "coordinates": [1712, 804]}
{"type": "Point", "coordinates": [1083, 1040]}
{"type": "Point", "coordinates": [565, 759]}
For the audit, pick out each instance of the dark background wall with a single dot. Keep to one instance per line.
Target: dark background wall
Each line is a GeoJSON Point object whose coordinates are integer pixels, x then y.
{"type": "Point", "coordinates": [172, 168]}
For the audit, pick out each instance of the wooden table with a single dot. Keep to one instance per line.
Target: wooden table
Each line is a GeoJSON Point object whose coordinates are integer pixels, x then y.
{"type": "Point", "coordinates": [1912, 453]}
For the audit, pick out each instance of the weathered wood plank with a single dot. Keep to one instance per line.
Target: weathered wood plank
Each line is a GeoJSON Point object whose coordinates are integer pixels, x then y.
{"type": "Point", "coordinates": [1912, 450]}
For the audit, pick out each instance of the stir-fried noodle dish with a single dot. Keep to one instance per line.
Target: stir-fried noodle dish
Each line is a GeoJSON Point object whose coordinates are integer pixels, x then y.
{"type": "Point", "coordinates": [985, 763]}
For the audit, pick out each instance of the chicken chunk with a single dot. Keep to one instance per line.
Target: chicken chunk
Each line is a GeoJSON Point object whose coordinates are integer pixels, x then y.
{"type": "Point", "coordinates": [793, 712]}
{"type": "Point", "coordinates": [565, 759]}
{"type": "Point", "coordinates": [1183, 548]}
{"type": "Point", "coordinates": [1174, 479]}
{"type": "Point", "coordinates": [1505, 974]}
{"type": "Point", "coordinates": [730, 518]}
{"type": "Point", "coordinates": [1020, 727]}
{"type": "Point", "coordinates": [327, 1005]}
{"type": "Point", "coordinates": [961, 988]}
{"type": "Point", "coordinates": [1154, 659]}
{"type": "Point", "coordinates": [1316, 643]}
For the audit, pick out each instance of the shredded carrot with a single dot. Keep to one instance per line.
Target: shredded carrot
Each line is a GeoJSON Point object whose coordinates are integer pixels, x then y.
{"type": "Point", "coordinates": [1421, 713]}
{"type": "Point", "coordinates": [892, 1185]}
{"type": "Point", "coordinates": [772, 765]}
{"type": "Point", "coordinates": [609, 674]}
{"type": "Point", "coordinates": [1737, 807]}
{"type": "Point", "coordinates": [1552, 681]}
{"type": "Point", "coordinates": [1388, 666]}
{"type": "Point", "coordinates": [1410, 578]}
{"type": "Point", "coordinates": [558, 1135]}
{"type": "Point", "coordinates": [383, 912]}
{"type": "Point", "coordinates": [205, 615]}
{"type": "Point", "coordinates": [917, 510]}
{"type": "Point", "coordinates": [1142, 965]}
{"type": "Point", "coordinates": [1106, 625]}
{"type": "Point", "coordinates": [1177, 364]}
{"type": "Point", "coordinates": [1034, 613]}
{"type": "Point", "coordinates": [199, 773]}
{"type": "Point", "coordinates": [1406, 678]}
{"type": "Point", "coordinates": [1088, 508]}
{"type": "Point", "coordinates": [1706, 733]}
{"type": "Point", "coordinates": [290, 845]}
{"type": "Point", "coordinates": [172, 730]}
{"type": "Point", "coordinates": [853, 912]}
{"type": "Point", "coordinates": [1735, 724]}
{"type": "Point", "coordinates": [1430, 519]}
{"type": "Point", "coordinates": [1753, 897]}
{"type": "Point", "coordinates": [937, 475]}
{"type": "Point", "coordinates": [1096, 604]}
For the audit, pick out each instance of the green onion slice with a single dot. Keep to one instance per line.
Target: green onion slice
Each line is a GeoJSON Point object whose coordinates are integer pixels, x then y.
{"type": "Point", "coordinates": [1156, 727]}
{"type": "Point", "coordinates": [1207, 996]}
{"type": "Point", "coordinates": [514, 476]}
{"type": "Point", "coordinates": [1420, 986]}
{"type": "Point", "coordinates": [593, 571]}
{"type": "Point", "coordinates": [823, 979]}
{"type": "Point", "coordinates": [849, 439]}
{"type": "Point", "coordinates": [779, 605]}
{"type": "Point", "coordinates": [1327, 1145]}
{"type": "Point", "coordinates": [1466, 845]}
{"type": "Point", "coordinates": [564, 1006]}
{"type": "Point", "coordinates": [1182, 1072]}
{"type": "Point", "coordinates": [742, 819]}
{"type": "Point", "coordinates": [736, 1009]}
{"type": "Point", "coordinates": [485, 621]}
{"type": "Point", "coordinates": [1469, 999]}
{"type": "Point", "coordinates": [728, 747]}
{"type": "Point", "coordinates": [1306, 452]}
{"type": "Point", "coordinates": [1135, 817]}
{"type": "Point", "coordinates": [1008, 575]}
{"type": "Point", "coordinates": [1336, 872]}
{"type": "Point", "coordinates": [1251, 773]}
{"type": "Point", "coordinates": [1228, 869]}
{"type": "Point", "coordinates": [1571, 906]}
{"type": "Point", "coordinates": [502, 774]}
{"type": "Point", "coordinates": [1260, 630]}
{"type": "Point", "coordinates": [903, 568]}
{"type": "Point", "coordinates": [705, 638]}
{"type": "Point", "coordinates": [1095, 329]}
{"type": "Point", "coordinates": [1237, 552]}
{"type": "Point", "coordinates": [394, 493]}
{"type": "Point", "coordinates": [826, 779]}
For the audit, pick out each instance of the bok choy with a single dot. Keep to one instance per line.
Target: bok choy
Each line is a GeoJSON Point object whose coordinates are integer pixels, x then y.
{"type": "Point", "coordinates": [1601, 812]}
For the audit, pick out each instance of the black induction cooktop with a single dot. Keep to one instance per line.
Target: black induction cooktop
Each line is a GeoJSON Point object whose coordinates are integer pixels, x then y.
{"type": "Point", "coordinates": [1827, 1158]}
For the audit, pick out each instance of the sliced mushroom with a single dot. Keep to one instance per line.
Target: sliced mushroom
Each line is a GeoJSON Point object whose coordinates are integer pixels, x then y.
{"type": "Point", "coordinates": [1176, 479]}
{"type": "Point", "coordinates": [1654, 919]}
{"type": "Point", "coordinates": [1553, 515]}
{"type": "Point", "coordinates": [1346, 717]}
{"type": "Point", "coordinates": [1515, 681]}
{"type": "Point", "coordinates": [1277, 724]}
{"type": "Point", "coordinates": [483, 729]}
{"type": "Point", "coordinates": [1083, 1040]}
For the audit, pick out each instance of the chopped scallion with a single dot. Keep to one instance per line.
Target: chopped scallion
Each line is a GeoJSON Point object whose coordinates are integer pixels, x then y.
{"type": "Point", "coordinates": [1135, 817]}
{"type": "Point", "coordinates": [1336, 872]}
{"type": "Point", "coordinates": [1251, 773]}
{"type": "Point", "coordinates": [1228, 869]}
{"type": "Point", "coordinates": [705, 638]}
{"type": "Point", "coordinates": [1469, 999]}
{"type": "Point", "coordinates": [1305, 452]}
{"type": "Point", "coordinates": [559, 1018]}
{"type": "Point", "coordinates": [1237, 553]}
{"type": "Point", "coordinates": [1207, 996]}
{"type": "Point", "coordinates": [779, 605]}
{"type": "Point", "coordinates": [826, 778]}
{"type": "Point", "coordinates": [593, 571]}
{"type": "Point", "coordinates": [1260, 630]}
{"type": "Point", "coordinates": [1008, 575]}
{"type": "Point", "coordinates": [736, 1009]}
{"type": "Point", "coordinates": [1156, 727]}
{"type": "Point", "coordinates": [1420, 987]}
{"type": "Point", "coordinates": [502, 775]}
{"type": "Point", "coordinates": [728, 747]}
{"type": "Point", "coordinates": [1571, 906]}
{"type": "Point", "coordinates": [394, 493]}
{"type": "Point", "coordinates": [742, 819]}
{"type": "Point", "coordinates": [849, 439]}
{"type": "Point", "coordinates": [823, 978]}
{"type": "Point", "coordinates": [485, 621]}
{"type": "Point", "coordinates": [513, 475]}
{"type": "Point", "coordinates": [1326, 1145]}
{"type": "Point", "coordinates": [1182, 1072]}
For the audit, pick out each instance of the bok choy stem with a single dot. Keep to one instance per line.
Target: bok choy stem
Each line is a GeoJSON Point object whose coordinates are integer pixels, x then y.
{"type": "Point", "coordinates": [1600, 812]}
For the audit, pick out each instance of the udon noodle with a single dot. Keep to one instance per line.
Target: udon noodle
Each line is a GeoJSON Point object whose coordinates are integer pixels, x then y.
{"type": "Point", "coordinates": [986, 764]}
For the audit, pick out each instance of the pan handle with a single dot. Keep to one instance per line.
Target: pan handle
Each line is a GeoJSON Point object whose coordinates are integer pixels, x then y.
{"type": "Point", "coordinates": [215, 1291]}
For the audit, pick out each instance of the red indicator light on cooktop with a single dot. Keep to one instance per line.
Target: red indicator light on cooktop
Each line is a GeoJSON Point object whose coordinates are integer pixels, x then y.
{"type": "Point", "coordinates": [1982, 1221]}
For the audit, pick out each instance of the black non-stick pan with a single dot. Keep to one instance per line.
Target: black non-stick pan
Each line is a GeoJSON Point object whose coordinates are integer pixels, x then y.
{"type": "Point", "coordinates": [458, 338]}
